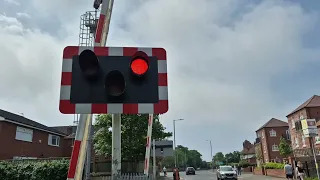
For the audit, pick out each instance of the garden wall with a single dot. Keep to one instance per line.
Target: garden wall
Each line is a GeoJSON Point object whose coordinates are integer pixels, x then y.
{"type": "Point", "coordinates": [258, 171]}
{"type": "Point", "coordinates": [275, 173]}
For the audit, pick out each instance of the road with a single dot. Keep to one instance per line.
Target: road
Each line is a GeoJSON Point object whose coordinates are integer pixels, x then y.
{"type": "Point", "coordinates": [209, 175]}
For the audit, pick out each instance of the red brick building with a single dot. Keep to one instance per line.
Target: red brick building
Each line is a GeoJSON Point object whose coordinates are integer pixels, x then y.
{"type": "Point", "coordinates": [21, 137]}
{"type": "Point", "coordinates": [268, 140]}
{"type": "Point", "coordinates": [248, 153]}
{"type": "Point", "coordinates": [308, 110]}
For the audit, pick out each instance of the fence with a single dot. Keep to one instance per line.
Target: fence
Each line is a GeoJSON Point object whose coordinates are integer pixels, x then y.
{"type": "Point", "coordinates": [128, 176]}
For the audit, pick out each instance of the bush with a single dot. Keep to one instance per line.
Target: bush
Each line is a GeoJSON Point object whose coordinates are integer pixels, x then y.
{"type": "Point", "coordinates": [34, 170]}
{"type": "Point", "coordinates": [244, 164]}
{"type": "Point", "coordinates": [272, 165]}
{"type": "Point", "coordinates": [311, 178]}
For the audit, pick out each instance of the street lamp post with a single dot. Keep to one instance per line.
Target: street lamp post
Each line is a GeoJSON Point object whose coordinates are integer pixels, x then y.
{"type": "Point", "coordinates": [211, 153]}
{"type": "Point", "coordinates": [174, 140]}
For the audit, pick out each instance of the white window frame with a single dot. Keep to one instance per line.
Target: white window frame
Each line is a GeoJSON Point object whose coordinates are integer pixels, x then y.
{"type": "Point", "coordinates": [50, 140]}
{"type": "Point", "coordinates": [275, 147]}
{"type": "Point", "coordinates": [297, 142]}
{"type": "Point", "coordinates": [24, 134]}
{"type": "Point", "coordinates": [273, 133]}
{"type": "Point", "coordinates": [303, 141]}
{"type": "Point", "coordinates": [293, 123]}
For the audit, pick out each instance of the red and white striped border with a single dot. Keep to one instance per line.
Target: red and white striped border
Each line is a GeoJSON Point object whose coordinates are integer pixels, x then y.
{"type": "Point", "coordinates": [66, 107]}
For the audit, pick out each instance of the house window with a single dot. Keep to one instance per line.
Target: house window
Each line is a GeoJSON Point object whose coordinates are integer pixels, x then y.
{"type": "Point", "coordinates": [303, 141]}
{"type": "Point", "coordinates": [262, 135]}
{"type": "Point", "coordinates": [273, 133]}
{"type": "Point", "coordinates": [275, 148]}
{"type": "Point", "coordinates": [53, 140]}
{"type": "Point", "coordinates": [317, 140]}
{"type": "Point", "coordinates": [288, 135]}
{"type": "Point", "coordinates": [24, 134]}
{"type": "Point", "coordinates": [293, 124]}
{"type": "Point", "coordinates": [297, 142]}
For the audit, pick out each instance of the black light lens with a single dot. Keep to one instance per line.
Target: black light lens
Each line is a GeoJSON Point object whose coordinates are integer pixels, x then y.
{"type": "Point", "coordinates": [89, 64]}
{"type": "Point", "coordinates": [114, 83]}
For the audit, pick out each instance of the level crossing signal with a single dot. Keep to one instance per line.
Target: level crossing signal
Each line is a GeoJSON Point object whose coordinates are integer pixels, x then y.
{"type": "Point", "coordinates": [126, 80]}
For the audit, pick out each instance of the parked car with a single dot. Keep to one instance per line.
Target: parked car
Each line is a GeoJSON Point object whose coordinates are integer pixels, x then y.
{"type": "Point", "coordinates": [190, 170]}
{"type": "Point", "coordinates": [226, 172]}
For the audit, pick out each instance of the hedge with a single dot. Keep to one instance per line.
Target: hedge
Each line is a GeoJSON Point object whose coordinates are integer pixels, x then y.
{"type": "Point", "coordinates": [310, 178]}
{"type": "Point", "coordinates": [272, 165]}
{"type": "Point", "coordinates": [34, 170]}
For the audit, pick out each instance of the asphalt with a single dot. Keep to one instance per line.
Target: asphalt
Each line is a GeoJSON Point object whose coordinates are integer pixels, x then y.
{"type": "Point", "coordinates": [210, 175]}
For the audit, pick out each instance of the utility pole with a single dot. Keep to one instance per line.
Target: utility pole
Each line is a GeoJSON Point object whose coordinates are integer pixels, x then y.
{"type": "Point", "coordinates": [174, 140]}
{"type": "Point", "coordinates": [211, 152]}
{"type": "Point", "coordinates": [88, 160]}
{"type": "Point", "coordinates": [314, 156]}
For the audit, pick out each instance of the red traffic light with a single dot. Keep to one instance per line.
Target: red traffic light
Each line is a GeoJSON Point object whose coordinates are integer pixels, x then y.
{"type": "Point", "coordinates": [139, 66]}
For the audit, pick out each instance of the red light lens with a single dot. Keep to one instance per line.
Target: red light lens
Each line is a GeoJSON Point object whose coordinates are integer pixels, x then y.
{"type": "Point", "coordinates": [139, 66]}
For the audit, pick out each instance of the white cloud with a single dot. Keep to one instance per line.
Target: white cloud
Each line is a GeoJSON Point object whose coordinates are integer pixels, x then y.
{"type": "Point", "coordinates": [23, 15]}
{"type": "Point", "coordinates": [224, 57]}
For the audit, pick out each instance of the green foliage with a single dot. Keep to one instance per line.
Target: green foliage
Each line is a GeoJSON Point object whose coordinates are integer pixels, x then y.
{"type": "Point", "coordinates": [229, 158]}
{"type": "Point", "coordinates": [284, 147]}
{"type": "Point", "coordinates": [244, 163]}
{"type": "Point", "coordinates": [218, 157]}
{"type": "Point", "coordinates": [311, 178]}
{"type": "Point", "coordinates": [258, 152]}
{"type": "Point", "coordinates": [188, 157]}
{"type": "Point", "coordinates": [133, 135]}
{"type": "Point", "coordinates": [233, 157]}
{"type": "Point", "coordinates": [185, 157]}
{"type": "Point", "coordinates": [272, 165]}
{"type": "Point", "coordinates": [34, 170]}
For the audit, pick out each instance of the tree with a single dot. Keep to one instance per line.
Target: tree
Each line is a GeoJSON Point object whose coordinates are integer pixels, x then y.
{"type": "Point", "coordinates": [284, 147]}
{"type": "Point", "coordinates": [133, 135]}
{"type": "Point", "coordinates": [218, 157]}
{"type": "Point", "coordinates": [186, 157]}
{"type": "Point", "coordinates": [236, 156]}
{"type": "Point", "coordinates": [228, 158]}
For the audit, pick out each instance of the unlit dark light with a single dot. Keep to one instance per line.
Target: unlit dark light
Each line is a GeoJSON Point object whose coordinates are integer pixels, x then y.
{"type": "Point", "coordinates": [114, 83]}
{"type": "Point", "coordinates": [89, 64]}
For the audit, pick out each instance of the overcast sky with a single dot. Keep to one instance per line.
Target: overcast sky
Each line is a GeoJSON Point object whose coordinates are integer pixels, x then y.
{"type": "Point", "coordinates": [232, 64]}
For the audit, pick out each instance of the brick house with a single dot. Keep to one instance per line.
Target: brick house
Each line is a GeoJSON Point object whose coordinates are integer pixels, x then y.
{"type": "Point", "coordinates": [268, 140]}
{"type": "Point", "coordinates": [25, 138]}
{"type": "Point", "coordinates": [248, 152]}
{"type": "Point", "coordinates": [308, 110]}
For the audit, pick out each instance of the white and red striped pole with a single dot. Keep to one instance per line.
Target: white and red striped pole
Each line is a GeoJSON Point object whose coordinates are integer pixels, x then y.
{"type": "Point", "coordinates": [80, 145]}
{"type": "Point", "coordinates": [148, 145]}
{"type": "Point", "coordinates": [79, 148]}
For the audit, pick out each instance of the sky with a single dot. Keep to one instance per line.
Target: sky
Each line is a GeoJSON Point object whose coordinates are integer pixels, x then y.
{"type": "Point", "coordinates": [232, 65]}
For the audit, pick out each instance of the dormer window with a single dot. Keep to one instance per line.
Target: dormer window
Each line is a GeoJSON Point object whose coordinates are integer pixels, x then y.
{"type": "Point", "coordinates": [273, 133]}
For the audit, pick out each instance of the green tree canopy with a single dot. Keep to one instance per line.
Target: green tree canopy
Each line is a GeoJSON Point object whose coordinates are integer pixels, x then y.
{"type": "Point", "coordinates": [218, 157]}
{"type": "Point", "coordinates": [133, 135]}
{"type": "Point", "coordinates": [284, 147]}
{"type": "Point", "coordinates": [185, 157]}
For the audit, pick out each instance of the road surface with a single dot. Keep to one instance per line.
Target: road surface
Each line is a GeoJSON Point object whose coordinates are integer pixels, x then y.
{"type": "Point", "coordinates": [209, 175]}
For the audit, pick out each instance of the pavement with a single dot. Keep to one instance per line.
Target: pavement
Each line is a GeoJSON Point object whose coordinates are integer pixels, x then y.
{"type": "Point", "coordinates": [210, 175]}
